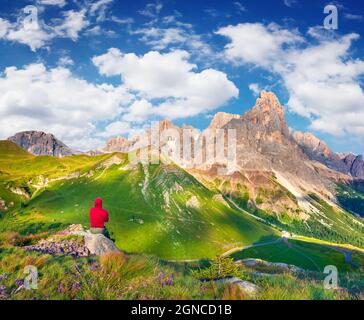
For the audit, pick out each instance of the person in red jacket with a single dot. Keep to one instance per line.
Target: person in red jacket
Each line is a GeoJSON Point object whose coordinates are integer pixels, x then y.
{"type": "Point", "coordinates": [98, 217]}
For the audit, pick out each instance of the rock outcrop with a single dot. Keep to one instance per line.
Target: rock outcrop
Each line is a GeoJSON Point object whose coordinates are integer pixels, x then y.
{"type": "Point", "coordinates": [118, 144]}
{"type": "Point", "coordinates": [96, 244]}
{"type": "Point", "coordinates": [245, 287]}
{"type": "Point", "coordinates": [354, 164]}
{"type": "Point", "coordinates": [62, 243]}
{"type": "Point", "coordinates": [193, 203]}
{"type": "Point", "coordinates": [267, 116]}
{"type": "Point", "coordinates": [99, 245]}
{"type": "Point", "coordinates": [318, 150]}
{"type": "Point", "coordinates": [276, 266]}
{"type": "Point", "coordinates": [222, 118]}
{"type": "Point", "coordinates": [41, 144]}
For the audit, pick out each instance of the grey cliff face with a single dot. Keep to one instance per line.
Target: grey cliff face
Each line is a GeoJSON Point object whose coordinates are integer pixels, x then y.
{"type": "Point", "coordinates": [319, 151]}
{"type": "Point", "coordinates": [354, 164]}
{"type": "Point", "coordinates": [41, 143]}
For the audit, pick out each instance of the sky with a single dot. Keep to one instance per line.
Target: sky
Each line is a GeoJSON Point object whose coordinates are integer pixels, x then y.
{"type": "Point", "coordinates": [90, 70]}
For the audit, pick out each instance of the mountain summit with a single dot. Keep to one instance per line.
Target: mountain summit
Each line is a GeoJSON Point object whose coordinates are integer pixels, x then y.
{"type": "Point", "coordinates": [267, 115]}
{"type": "Point", "coordinates": [41, 143]}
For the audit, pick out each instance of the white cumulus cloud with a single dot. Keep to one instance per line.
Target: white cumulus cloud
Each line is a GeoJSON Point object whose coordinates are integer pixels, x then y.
{"type": "Point", "coordinates": [256, 43]}
{"type": "Point", "coordinates": [322, 78]}
{"type": "Point", "coordinates": [54, 100]}
{"type": "Point", "coordinates": [171, 79]}
{"type": "Point", "coordinates": [4, 27]}
{"type": "Point", "coordinates": [73, 23]}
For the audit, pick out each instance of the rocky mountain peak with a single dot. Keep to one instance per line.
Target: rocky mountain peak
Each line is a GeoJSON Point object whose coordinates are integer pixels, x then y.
{"type": "Point", "coordinates": [118, 144]}
{"type": "Point", "coordinates": [310, 141]}
{"type": "Point", "coordinates": [268, 115]}
{"type": "Point", "coordinates": [222, 118]}
{"type": "Point", "coordinates": [269, 103]}
{"type": "Point", "coordinates": [41, 143]}
{"type": "Point", "coordinates": [354, 164]}
{"type": "Point", "coordinates": [318, 150]}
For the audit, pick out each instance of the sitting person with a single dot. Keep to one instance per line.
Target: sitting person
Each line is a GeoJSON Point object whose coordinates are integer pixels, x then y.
{"type": "Point", "coordinates": [98, 217]}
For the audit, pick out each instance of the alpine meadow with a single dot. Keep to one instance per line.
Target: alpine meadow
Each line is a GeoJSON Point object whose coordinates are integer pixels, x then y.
{"type": "Point", "coordinates": [195, 150]}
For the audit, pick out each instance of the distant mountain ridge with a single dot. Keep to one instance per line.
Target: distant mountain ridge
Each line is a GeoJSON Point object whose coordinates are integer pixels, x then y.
{"type": "Point", "coordinates": [289, 181]}
{"type": "Point", "coordinates": [41, 143]}
{"type": "Point", "coordinates": [263, 141]}
{"type": "Point", "coordinates": [263, 130]}
{"type": "Point", "coordinates": [354, 163]}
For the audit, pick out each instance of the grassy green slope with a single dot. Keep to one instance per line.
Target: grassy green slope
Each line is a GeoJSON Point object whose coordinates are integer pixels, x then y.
{"type": "Point", "coordinates": [21, 170]}
{"type": "Point", "coordinates": [147, 205]}
{"type": "Point", "coordinates": [309, 256]}
{"type": "Point", "coordinates": [351, 198]}
{"type": "Point", "coordinates": [327, 223]}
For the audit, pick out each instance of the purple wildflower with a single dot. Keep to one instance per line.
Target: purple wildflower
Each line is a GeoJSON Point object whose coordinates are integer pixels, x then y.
{"type": "Point", "coordinates": [76, 286]}
{"type": "Point", "coordinates": [61, 288]}
{"type": "Point", "coordinates": [170, 281]}
{"type": "Point", "coordinates": [166, 281]}
{"type": "Point", "coordinates": [94, 267]}
{"type": "Point", "coordinates": [3, 294]}
{"type": "Point", "coordinates": [19, 282]}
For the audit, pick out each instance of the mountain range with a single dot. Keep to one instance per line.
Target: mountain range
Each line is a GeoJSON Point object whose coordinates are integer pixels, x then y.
{"type": "Point", "coordinates": [265, 149]}
{"type": "Point", "coordinates": [184, 208]}
{"type": "Point", "coordinates": [260, 130]}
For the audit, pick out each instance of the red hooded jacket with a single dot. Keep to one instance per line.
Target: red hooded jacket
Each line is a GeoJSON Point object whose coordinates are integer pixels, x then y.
{"type": "Point", "coordinates": [98, 215]}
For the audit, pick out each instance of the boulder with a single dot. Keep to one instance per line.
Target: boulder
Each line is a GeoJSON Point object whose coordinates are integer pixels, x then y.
{"type": "Point", "coordinates": [282, 267]}
{"type": "Point", "coordinates": [92, 244]}
{"type": "Point", "coordinates": [263, 275]}
{"type": "Point", "coordinates": [253, 262]}
{"type": "Point", "coordinates": [73, 229]}
{"type": "Point", "coordinates": [193, 203]}
{"type": "Point", "coordinates": [220, 198]}
{"type": "Point", "coordinates": [98, 244]}
{"type": "Point", "coordinates": [245, 286]}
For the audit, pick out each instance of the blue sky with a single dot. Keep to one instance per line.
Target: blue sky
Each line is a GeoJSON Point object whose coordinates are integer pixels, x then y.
{"type": "Point", "coordinates": [90, 70]}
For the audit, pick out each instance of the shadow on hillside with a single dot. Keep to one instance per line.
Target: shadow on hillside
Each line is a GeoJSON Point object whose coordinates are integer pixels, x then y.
{"type": "Point", "coordinates": [266, 239]}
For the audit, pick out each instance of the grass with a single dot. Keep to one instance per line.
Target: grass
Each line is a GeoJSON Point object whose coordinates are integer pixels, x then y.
{"type": "Point", "coordinates": [150, 220]}
{"type": "Point", "coordinates": [289, 287]}
{"type": "Point", "coordinates": [114, 276]}
{"type": "Point", "coordinates": [351, 198]}
{"type": "Point", "coordinates": [120, 276]}
{"type": "Point", "coordinates": [309, 256]}
{"type": "Point", "coordinates": [147, 206]}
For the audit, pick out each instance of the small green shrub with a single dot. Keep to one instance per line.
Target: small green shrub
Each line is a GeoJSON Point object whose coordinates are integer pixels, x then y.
{"type": "Point", "coordinates": [258, 201]}
{"type": "Point", "coordinates": [220, 268]}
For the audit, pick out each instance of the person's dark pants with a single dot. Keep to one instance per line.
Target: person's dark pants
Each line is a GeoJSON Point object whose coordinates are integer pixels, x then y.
{"type": "Point", "coordinates": [103, 231]}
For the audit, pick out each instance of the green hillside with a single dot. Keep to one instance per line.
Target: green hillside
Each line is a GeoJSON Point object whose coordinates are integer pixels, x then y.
{"type": "Point", "coordinates": [157, 209]}
{"type": "Point", "coordinates": [351, 197]}
{"type": "Point", "coordinates": [10, 149]}
{"type": "Point", "coordinates": [309, 256]}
